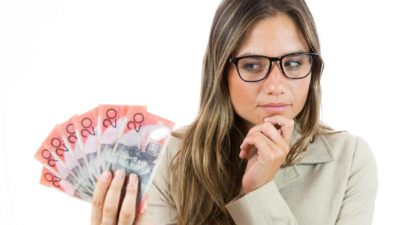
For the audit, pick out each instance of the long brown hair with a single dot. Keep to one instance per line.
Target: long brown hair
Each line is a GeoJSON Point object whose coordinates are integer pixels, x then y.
{"type": "Point", "coordinates": [206, 171]}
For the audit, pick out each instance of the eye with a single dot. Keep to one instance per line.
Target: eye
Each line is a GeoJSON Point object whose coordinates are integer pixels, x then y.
{"type": "Point", "coordinates": [250, 67]}
{"type": "Point", "coordinates": [252, 64]}
{"type": "Point", "coordinates": [292, 64]}
{"type": "Point", "coordinates": [296, 62]}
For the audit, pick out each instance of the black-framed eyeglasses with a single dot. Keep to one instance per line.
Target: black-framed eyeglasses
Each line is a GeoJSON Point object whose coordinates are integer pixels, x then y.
{"type": "Point", "coordinates": [254, 68]}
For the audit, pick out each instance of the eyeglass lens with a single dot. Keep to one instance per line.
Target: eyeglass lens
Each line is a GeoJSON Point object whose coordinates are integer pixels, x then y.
{"type": "Point", "coordinates": [255, 68]}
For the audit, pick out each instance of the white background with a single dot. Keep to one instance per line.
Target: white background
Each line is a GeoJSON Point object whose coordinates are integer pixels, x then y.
{"type": "Point", "coordinates": [58, 58]}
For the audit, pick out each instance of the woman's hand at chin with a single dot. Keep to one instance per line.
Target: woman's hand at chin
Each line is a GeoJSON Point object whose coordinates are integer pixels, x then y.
{"type": "Point", "coordinates": [265, 147]}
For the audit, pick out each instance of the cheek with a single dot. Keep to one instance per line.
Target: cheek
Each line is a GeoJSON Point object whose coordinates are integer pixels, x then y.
{"type": "Point", "coordinates": [300, 94]}
{"type": "Point", "coordinates": [243, 96]}
{"type": "Point", "coordinates": [237, 96]}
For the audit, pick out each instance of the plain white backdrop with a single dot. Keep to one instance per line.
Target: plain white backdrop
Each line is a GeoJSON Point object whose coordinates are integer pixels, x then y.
{"type": "Point", "coordinates": [58, 58]}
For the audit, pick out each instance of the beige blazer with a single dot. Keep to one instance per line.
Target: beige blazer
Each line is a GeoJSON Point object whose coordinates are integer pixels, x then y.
{"type": "Point", "coordinates": [335, 182]}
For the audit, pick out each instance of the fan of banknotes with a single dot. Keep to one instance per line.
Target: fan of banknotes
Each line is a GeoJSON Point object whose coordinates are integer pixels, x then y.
{"type": "Point", "coordinates": [108, 137]}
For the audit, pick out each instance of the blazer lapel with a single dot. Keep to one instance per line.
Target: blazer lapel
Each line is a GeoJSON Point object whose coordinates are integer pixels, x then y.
{"type": "Point", "coordinates": [317, 152]}
{"type": "Point", "coordinates": [286, 176]}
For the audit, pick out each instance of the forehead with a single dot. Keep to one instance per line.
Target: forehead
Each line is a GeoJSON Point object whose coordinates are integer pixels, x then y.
{"type": "Point", "coordinates": [273, 36]}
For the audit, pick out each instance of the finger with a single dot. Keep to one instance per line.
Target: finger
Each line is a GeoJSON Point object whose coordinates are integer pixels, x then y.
{"type": "Point", "coordinates": [128, 209]}
{"type": "Point", "coordinates": [286, 125]}
{"type": "Point", "coordinates": [253, 144]}
{"type": "Point", "coordinates": [269, 130]}
{"type": "Point", "coordinates": [247, 148]}
{"type": "Point", "coordinates": [268, 152]}
{"type": "Point", "coordinates": [103, 182]}
{"type": "Point", "coordinates": [254, 130]}
{"type": "Point", "coordinates": [112, 198]}
{"type": "Point", "coordinates": [261, 127]}
{"type": "Point", "coordinates": [247, 153]}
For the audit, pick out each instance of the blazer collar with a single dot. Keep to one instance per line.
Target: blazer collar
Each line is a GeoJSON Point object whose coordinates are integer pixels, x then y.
{"type": "Point", "coordinates": [318, 151]}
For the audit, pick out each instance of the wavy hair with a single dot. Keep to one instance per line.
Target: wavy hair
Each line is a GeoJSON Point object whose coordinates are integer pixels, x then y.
{"type": "Point", "coordinates": [206, 172]}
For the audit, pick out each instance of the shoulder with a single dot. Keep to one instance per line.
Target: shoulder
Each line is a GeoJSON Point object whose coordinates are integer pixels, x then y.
{"type": "Point", "coordinates": [345, 155]}
{"type": "Point", "coordinates": [343, 145]}
{"type": "Point", "coordinates": [340, 141]}
{"type": "Point", "coordinates": [338, 146]}
{"type": "Point", "coordinates": [352, 154]}
{"type": "Point", "coordinates": [174, 141]}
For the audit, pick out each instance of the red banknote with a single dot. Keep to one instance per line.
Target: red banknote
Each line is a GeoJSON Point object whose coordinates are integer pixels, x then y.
{"type": "Point", "coordinates": [108, 137]}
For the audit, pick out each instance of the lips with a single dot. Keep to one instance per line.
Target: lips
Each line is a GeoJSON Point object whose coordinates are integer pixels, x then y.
{"type": "Point", "coordinates": [274, 108]}
{"type": "Point", "coordinates": [275, 105]}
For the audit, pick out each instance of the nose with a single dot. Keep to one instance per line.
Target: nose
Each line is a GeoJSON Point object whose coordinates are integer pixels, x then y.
{"type": "Point", "coordinates": [274, 83]}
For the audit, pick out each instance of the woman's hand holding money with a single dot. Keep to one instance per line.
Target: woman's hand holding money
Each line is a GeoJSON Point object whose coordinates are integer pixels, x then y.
{"type": "Point", "coordinates": [106, 201]}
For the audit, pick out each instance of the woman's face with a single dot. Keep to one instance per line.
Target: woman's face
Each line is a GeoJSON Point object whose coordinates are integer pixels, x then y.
{"type": "Point", "coordinates": [253, 101]}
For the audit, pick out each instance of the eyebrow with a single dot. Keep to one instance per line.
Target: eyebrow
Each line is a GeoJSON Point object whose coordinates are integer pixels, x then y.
{"type": "Point", "coordinates": [256, 54]}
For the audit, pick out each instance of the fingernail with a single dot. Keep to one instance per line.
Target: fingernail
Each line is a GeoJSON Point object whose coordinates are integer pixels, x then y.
{"type": "Point", "coordinates": [133, 179]}
{"type": "Point", "coordinates": [143, 209]}
{"type": "Point", "coordinates": [105, 176]}
{"type": "Point", "coordinates": [120, 174]}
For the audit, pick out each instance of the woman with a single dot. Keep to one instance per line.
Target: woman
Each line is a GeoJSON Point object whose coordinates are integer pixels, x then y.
{"type": "Point", "coordinates": [257, 152]}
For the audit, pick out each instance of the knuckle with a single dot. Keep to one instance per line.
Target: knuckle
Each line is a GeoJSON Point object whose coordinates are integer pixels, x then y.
{"type": "Point", "coordinates": [259, 144]}
{"type": "Point", "coordinates": [278, 156]}
{"type": "Point", "coordinates": [259, 137]}
{"type": "Point", "coordinates": [274, 157]}
{"type": "Point", "coordinates": [252, 131]}
{"type": "Point", "coordinates": [101, 185]}
{"type": "Point", "coordinates": [280, 153]}
{"type": "Point", "coordinates": [115, 188]}
{"type": "Point", "coordinates": [97, 203]}
{"type": "Point", "coordinates": [264, 145]}
{"type": "Point", "coordinates": [132, 188]}
{"type": "Point", "coordinates": [107, 221]}
{"type": "Point", "coordinates": [281, 157]}
{"type": "Point", "coordinates": [255, 138]}
{"type": "Point", "coordinates": [265, 130]}
{"type": "Point", "coordinates": [271, 158]}
{"type": "Point", "coordinates": [125, 216]}
{"type": "Point", "coordinates": [108, 210]}
{"type": "Point", "coordinates": [286, 149]}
